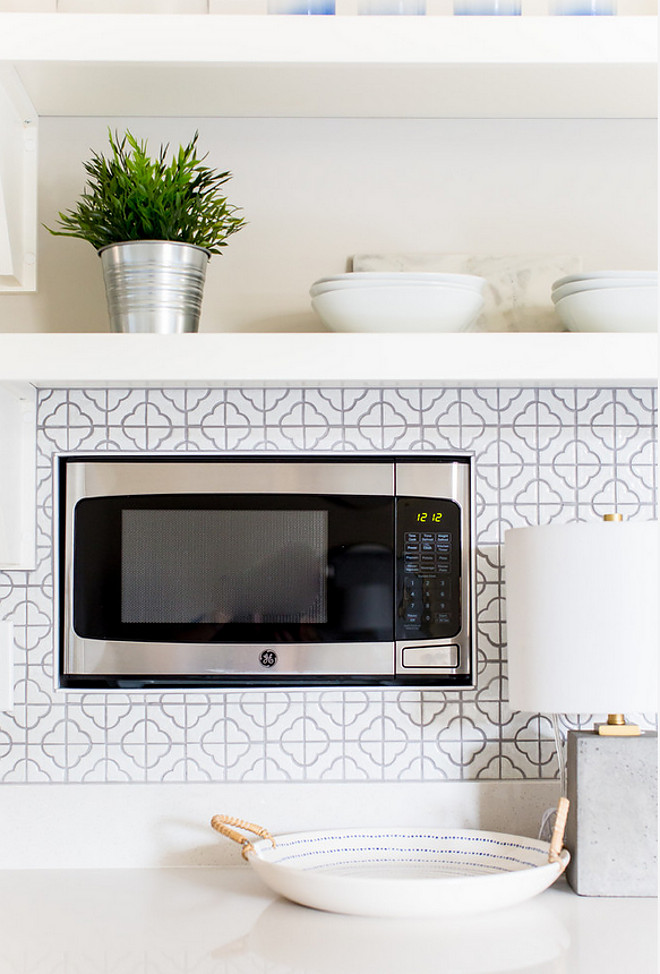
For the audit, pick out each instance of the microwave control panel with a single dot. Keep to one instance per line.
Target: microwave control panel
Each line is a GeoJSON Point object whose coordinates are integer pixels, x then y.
{"type": "Point", "coordinates": [428, 554]}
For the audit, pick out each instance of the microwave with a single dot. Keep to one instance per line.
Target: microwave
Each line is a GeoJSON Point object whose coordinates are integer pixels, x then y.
{"type": "Point", "coordinates": [201, 571]}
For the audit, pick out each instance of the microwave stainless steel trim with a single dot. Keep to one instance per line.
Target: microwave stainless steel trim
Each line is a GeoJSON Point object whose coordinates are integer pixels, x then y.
{"type": "Point", "coordinates": [405, 660]}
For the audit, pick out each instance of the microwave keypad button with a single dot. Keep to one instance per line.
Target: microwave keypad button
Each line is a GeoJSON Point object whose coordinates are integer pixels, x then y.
{"type": "Point", "coordinates": [425, 608]}
{"type": "Point", "coordinates": [434, 585]}
{"type": "Point", "coordinates": [433, 657]}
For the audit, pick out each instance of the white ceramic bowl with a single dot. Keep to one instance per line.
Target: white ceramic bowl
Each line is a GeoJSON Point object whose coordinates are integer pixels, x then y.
{"type": "Point", "coordinates": [399, 309]}
{"type": "Point", "coordinates": [607, 275]}
{"type": "Point", "coordinates": [601, 285]}
{"type": "Point", "coordinates": [624, 309]}
{"type": "Point", "coordinates": [361, 286]}
{"type": "Point", "coordinates": [399, 277]}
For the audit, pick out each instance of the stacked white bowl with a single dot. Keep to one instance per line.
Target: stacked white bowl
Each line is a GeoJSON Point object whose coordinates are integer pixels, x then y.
{"type": "Point", "coordinates": [398, 301]}
{"type": "Point", "coordinates": [608, 301]}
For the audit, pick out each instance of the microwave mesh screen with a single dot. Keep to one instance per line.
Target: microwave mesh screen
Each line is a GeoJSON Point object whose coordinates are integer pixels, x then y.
{"type": "Point", "coordinates": [207, 566]}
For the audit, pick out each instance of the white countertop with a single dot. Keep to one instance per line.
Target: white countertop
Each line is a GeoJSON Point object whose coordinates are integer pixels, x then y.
{"type": "Point", "coordinates": [224, 921]}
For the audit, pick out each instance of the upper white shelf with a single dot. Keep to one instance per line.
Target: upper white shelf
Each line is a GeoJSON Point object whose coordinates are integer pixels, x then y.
{"type": "Point", "coordinates": [216, 360]}
{"type": "Point", "coordinates": [242, 66]}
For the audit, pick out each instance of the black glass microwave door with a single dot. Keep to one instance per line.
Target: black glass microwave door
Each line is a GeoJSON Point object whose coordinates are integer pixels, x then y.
{"type": "Point", "coordinates": [245, 568]}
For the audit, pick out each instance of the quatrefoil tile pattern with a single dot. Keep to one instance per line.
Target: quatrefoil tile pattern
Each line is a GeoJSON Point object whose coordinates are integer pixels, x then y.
{"type": "Point", "coordinates": [541, 455]}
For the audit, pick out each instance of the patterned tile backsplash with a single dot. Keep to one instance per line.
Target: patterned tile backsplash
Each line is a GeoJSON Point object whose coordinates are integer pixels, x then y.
{"type": "Point", "coordinates": [541, 455]}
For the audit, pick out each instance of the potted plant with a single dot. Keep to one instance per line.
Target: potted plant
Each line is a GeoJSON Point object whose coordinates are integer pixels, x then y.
{"type": "Point", "coordinates": [155, 224]}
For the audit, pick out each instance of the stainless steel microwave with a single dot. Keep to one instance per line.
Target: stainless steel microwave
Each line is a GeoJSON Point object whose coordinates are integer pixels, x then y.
{"type": "Point", "coordinates": [202, 571]}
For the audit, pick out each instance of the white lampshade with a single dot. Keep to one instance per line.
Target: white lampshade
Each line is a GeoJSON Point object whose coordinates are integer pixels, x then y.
{"type": "Point", "coordinates": [582, 617]}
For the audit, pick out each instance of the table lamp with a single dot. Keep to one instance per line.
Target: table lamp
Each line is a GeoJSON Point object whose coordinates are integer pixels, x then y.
{"type": "Point", "coordinates": [582, 625]}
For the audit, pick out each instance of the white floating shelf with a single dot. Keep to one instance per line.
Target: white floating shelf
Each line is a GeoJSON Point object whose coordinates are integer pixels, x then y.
{"type": "Point", "coordinates": [242, 66]}
{"type": "Point", "coordinates": [217, 360]}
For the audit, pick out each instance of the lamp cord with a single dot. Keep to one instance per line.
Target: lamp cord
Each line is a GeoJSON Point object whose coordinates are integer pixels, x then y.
{"type": "Point", "coordinates": [548, 819]}
{"type": "Point", "coordinates": [561, 754]}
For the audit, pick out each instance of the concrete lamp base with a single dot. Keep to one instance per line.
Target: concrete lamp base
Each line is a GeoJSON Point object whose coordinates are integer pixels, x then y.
{"type": "Point", "coordinates": [612, 830]}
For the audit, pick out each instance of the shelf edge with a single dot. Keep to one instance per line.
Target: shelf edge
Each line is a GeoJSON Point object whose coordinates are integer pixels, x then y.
{"type": "Point", "coordinates": [225, 359]}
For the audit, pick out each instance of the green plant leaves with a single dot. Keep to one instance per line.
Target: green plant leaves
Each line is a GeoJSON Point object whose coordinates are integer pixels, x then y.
{"type": "Point", "coordinates": [131, 196]}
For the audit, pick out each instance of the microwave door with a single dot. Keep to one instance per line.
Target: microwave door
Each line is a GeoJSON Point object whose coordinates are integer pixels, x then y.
{"type": "Point", "coordinates": [309, 578]}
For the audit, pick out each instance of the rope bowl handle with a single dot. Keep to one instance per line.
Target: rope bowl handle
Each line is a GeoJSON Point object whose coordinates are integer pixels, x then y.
{"type": "Point", "coordinates": [223, 824]}
{"type": "Point", "coordinates": [557, 841]}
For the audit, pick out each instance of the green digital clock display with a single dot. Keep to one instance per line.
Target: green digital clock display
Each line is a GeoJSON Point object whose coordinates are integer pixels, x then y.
{"type": "Point", "coordinates": [429, 517]}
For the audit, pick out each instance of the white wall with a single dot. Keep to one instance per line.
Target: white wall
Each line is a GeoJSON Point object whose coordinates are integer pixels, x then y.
{"type": "Point", "coordinates": [317, 191]}
{"type": "Point", "coordinates": [151, 826]}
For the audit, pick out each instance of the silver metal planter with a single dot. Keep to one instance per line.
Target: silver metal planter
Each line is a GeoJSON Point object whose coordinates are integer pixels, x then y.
{"type": "Point", "coordinates": [154, 285]}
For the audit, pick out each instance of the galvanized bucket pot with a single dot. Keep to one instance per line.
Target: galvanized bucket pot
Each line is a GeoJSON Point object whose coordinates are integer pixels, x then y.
{"type": "Point", "coordinates": [154, 285]}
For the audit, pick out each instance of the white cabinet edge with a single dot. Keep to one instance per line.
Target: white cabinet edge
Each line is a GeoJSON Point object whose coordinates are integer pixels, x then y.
{"type": "Point", "coordinates": [18, 185]}
{"type": "Point", "coordinates": [18, 476]}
